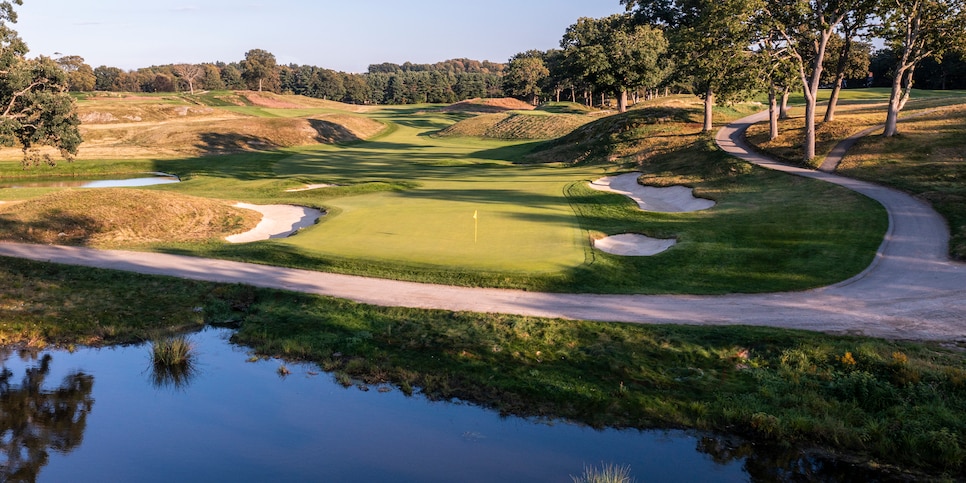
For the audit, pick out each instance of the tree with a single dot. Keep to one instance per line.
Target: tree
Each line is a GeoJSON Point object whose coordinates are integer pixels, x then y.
{"type": "Point", "coordinates": [805, 27]}
{"type": "Point", "coordinates": [847, 56]}
{"type": "Point", "coordinates": [524, 75]}
{"type": "Point", "coordinates": [231, 77]}
{"type": "Point", "coordinates": [105, 78]}
{"type": "Point", "coordinates": [711, 40]}
{"type": "Point", "coordinates": [915, 30]}
{"type": "Point", "coordinates": [259, 68]}
{"type": "Point", "coordinates": [189, 73]}
{"type": "Point", "coordinates": [212, 78]}
{"type": "Point", "coordinates": [35, 108]}
{"type": "Point", "coordinates": [616, 55]}
{"type": "Point", "coordinates": [80, 76]}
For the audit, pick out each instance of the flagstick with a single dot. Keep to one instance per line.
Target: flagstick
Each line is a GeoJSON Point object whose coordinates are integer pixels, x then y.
{"type": "Point", "coordinates": [476, 226]}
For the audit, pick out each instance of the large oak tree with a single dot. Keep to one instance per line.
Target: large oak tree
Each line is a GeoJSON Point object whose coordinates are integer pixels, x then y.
{"type": "Point", "coordinates": [35, 107]}
{"type": "Point", "coordinates": [616, 54]}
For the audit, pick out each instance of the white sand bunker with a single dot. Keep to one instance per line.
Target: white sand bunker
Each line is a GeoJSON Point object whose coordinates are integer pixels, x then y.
{"type": "Point", "coordinates": [633, 245]}
{"type": "Point", "coordinates": [310, 187]}
{"type": "Point", "coordinates": [673, 199]}
{"type": "Point", "coordinates": [278, 221]}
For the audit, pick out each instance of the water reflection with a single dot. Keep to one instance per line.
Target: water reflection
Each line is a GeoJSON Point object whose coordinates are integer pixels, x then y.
{"type": "Point", "coordinates": [132, 182]}
{"type": "Point", "coordinates": [232, 418]}
{"type": "Point", "coordinates": [35, 420]}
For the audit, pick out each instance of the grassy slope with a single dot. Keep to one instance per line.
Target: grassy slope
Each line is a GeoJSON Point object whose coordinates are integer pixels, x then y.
{"type": "Point", "coordinates": [926, 159]}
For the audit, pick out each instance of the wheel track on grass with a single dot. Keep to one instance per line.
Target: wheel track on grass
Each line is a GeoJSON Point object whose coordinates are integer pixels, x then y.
{"type": "Point", "coordinates": [911, 290]}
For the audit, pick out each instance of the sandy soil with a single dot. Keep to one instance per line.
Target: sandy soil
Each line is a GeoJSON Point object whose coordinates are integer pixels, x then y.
{"type": "Point", "coordinates": [278, 221]}
{"type": "Point", "coordinates": [633, 245]}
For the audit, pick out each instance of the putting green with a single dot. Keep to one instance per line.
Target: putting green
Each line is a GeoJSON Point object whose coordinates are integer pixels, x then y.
{"type": "Point", "coordinates": [524, 222]}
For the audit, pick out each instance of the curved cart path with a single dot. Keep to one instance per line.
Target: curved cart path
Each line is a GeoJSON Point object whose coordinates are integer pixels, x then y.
{"type": "Point", "coordinates": [911, 291]}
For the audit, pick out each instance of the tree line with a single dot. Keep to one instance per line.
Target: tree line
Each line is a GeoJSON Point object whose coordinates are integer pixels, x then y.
{"type": "Point", "coordinates": [724, 50]}
{"type": "Point", "coordinates": [387, 83]}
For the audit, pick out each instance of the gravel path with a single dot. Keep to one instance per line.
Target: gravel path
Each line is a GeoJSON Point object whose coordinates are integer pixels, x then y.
{"type": "Point", "coordinates": [911, 291]}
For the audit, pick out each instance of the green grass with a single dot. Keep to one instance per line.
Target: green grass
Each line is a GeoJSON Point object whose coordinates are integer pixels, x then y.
{"type": "Point", "coordinates": [405, 203]}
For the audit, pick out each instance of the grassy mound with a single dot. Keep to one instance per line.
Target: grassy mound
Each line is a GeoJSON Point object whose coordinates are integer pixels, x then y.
{"type": "Point", "coordinates": [516, 126]}
{"type": "Point", "coordinates": [564, 108]}
{"type": "Point", "coordinates": [489, 105]}
{"type": "Point", "coordinates": [114, 217]}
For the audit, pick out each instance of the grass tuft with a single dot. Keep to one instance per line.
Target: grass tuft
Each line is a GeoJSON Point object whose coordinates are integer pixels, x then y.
{"type": "Point", "coordinates": [606, 473]}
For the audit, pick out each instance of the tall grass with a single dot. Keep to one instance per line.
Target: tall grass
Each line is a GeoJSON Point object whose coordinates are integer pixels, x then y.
{"type": "Point", "coordinates": [172, 362]}
{"type": "Point", "coordinates": [606, 473]}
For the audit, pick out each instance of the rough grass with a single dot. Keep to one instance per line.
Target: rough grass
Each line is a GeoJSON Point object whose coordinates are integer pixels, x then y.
{"type": "Point", "coordinates": [211, 123]}
{"type": "Point", "coordinates": [488, 105]}
{"type": "Point", "coordinates": [927, 159]}
{"type": "Point", "coordinates": [516, 126]}
{"type": "Point", "coordinates": [120, 217]}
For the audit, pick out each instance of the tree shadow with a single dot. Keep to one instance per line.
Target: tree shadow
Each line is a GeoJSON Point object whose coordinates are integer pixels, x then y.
{"type": "Point", "coordinates": [56, 228]}
{"type": "Point", "coordinates": [331, 133]}
{"type": "Point", "coordinates": [213, 143]}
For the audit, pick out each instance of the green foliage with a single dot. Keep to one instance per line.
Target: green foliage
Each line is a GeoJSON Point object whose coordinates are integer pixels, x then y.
{"type": "Point", "coordinates": [35, 108]}
{"type": "Point", "coordinates": [616, 55]}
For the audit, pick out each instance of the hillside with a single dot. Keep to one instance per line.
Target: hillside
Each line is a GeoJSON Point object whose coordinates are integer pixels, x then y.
{"type": "Point", "coordinates": [134, 126]}
{"type": "Point", "coordinates": [120, 216]}
{"type": "Point", "coordinates": [517, 125]}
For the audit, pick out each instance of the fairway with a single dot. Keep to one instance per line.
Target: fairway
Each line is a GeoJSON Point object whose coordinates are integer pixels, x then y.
{"type": "Point", "coordinates": [523, 222]}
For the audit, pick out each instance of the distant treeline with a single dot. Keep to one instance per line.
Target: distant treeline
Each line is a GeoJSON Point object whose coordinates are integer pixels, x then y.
{"type": "Point", "coordinates": [387, 83]}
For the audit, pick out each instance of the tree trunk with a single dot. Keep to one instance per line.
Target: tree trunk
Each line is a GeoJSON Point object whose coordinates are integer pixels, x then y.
{"type": "Point", "coordinates": [708, 110]}
{"type": "Point", "coordinates": [772, 112]}
{"type": "Point", "coordinates": [573, 95]}
{"type": "Point", "coordinates": [783, 110]}
{"type": "Point", "coordinates": [892, 115]}
{"type": "Point", "coordinates": [259, 85]}
{"type": "Point", "coordinates": [622, 101]}
{"type": "Point", "coordinates": [901, 90]}
{"type": "Point", "coordinates": [833, 100]}
{"type": "Point", "coordinates": [839, 78]}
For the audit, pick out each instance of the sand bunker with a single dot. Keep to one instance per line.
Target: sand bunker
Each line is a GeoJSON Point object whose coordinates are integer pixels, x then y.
{"type": "Point", "coordinates": [673, 199]}
{"type": "Point", "coordinates": [309, 187]}
{"type": "Point", "coordinates": [633, 245]}
{"type": "Point", "coordinates": [278, 221]}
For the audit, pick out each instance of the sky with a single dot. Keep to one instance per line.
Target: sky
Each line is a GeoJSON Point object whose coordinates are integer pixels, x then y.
{"type": "Point", "coordinates": [343, 35]}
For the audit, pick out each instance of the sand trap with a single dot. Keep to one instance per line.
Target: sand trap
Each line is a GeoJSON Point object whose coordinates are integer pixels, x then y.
{"type": "Point", "coordinates": [278, 221]}
{"type": "Point", "coordinates": [633, 245]}
{"type": "Point", "coordinates": [673, 199]}
{"type": "Point", "coordinates": [311, 187]}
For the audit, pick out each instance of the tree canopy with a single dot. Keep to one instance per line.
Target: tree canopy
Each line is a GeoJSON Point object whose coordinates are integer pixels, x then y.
{"type": "Point", "coordinates": [35, 107]}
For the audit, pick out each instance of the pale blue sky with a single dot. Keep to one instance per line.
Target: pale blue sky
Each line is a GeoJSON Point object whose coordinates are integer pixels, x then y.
{"type": "Point", "coordinates": [341, 35]}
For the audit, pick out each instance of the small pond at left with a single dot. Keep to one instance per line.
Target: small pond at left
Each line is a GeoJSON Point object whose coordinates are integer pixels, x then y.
{"type": "Point", "coordinates": [102, 415]}
{"type": "Point", "coordinates": [144, 179]}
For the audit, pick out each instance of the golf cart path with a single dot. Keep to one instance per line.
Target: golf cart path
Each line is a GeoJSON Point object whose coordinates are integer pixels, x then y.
{"type": "Point", "coordinates": [911, 291]}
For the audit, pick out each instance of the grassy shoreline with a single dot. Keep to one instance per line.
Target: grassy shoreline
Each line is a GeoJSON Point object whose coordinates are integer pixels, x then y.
{"type": "Point", "coordinates": [880, 401]}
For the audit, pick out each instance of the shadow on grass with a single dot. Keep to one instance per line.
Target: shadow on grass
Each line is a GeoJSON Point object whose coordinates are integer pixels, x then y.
{"type": "Point", "coordinates": [56, 228]}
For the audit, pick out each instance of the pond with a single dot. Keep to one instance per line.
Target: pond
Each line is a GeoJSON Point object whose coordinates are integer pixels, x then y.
{"type": "Point", "coordinates": [113, 182]}
{"type": "Point", "coordinates": [103, 415]}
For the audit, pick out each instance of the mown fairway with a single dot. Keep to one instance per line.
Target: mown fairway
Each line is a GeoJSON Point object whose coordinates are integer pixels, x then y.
{"type": "Point", "coordinates": [524, 222]}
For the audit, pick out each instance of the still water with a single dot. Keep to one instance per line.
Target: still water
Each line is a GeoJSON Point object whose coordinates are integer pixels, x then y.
{"type": "Point", "coordinates": [101, 415]}
{"type": "Point", "coordinates": [132, 182]}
